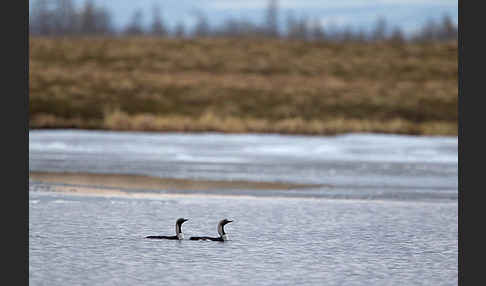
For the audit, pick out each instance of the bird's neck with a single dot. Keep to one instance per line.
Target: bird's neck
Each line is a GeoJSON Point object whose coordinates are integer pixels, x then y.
{"type": "Point", "coordinates": [221, 230]}
{"type": "Point", "coordinates": [179, 233]}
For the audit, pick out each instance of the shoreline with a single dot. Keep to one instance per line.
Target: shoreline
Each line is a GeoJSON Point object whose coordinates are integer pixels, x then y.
{"type": "Point", "coordinates": [75, 184]}
{"type": "Point", "coordinates": [90, 182]}
{"type": "Point", "coordinates": [283, 127]}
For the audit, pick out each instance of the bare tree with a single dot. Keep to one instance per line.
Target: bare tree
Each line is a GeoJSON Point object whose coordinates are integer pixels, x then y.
{"type": "Point", "coordinates": [297, 28]}
{"type": "Point", "coordinates": [397, 36]}
{"type": "Point", "coordinates": [379, 32]}
{"type": "Point", "coordinates": [41, 19]}
{"type": "Point", "coordinates": [135, 26]}
{"type": "Point", "coordinates": [317, 32]}
{"type": "Point", "coordinates": [361, 36]}
{"type": "Point", "coordinates": [180, 30]}
{"type": "Point", "coordinates": [158, 27]}
{"type": "Point", "coordinates": [202, 28]}
{"type": "Point", "coordinates": [290, 25]}
{"type": "Point", "coordinates": [448, 29]}
{"type": "Point", "coordinates": [87, 18]}
{"type": "Point", "coordinates": [428, 32]}
{"type": "Point", "coordinates": [231, 28]}
{"type": "Point", "coordinates": [347, 34]}
{"type": "Point", "coordinates": [94, 20]}
{"type": "Point", "coordinates": [103, 21]}
{"type": "Point", "coordinates": [271, 20]}
{"type": "Point", "coordinates": [65, 18]}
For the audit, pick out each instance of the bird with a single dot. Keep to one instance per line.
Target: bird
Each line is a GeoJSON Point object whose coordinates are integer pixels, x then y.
{"type": "Point", "coordinates": [179, 235]}
{"type": "Point", "coordinates": [223, 236]}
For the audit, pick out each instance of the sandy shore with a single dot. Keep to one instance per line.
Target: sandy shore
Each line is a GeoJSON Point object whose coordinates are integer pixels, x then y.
{"type": "Point", "coordinates": [115, 184]}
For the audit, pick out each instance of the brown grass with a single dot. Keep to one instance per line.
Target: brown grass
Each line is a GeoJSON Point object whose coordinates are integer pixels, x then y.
{"type": "Point", "coordinates": [243, 85]}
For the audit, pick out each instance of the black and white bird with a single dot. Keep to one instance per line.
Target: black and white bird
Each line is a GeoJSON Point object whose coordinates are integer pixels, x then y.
{"type": "Point", "coordinates": [223, 236]}
{"type": "Point", "coordinates": [179, 235]}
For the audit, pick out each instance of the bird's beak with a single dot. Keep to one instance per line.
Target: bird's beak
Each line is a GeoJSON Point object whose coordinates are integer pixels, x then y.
{"type": "Point", "coordinates": [186, 219]}
{"type": "Point", "coordinates": [229, 221]}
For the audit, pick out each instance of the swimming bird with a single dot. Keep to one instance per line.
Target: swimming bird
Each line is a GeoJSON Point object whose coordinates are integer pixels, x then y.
{"type": "Point", "coordinates": [222, 235]}
{"type": "Point", "coordinates": [179, 235]}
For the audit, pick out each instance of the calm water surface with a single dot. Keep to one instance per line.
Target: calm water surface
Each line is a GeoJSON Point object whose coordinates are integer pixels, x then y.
{"type": "Point", "coordinates": [388, 218]}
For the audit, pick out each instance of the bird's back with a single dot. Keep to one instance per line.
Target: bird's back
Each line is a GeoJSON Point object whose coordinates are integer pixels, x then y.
{"type": "Point", "coordinates": [161, 237]}
{"type": "Point", "coordinates": [206, 238]}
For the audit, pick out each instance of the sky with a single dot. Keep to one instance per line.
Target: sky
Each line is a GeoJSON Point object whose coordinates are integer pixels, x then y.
{"type": "Point", "coordinates": [409, 15]}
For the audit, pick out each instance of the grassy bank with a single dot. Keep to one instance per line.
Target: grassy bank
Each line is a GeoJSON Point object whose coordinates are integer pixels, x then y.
{"type": "Point", "coordinates": [243, 85]}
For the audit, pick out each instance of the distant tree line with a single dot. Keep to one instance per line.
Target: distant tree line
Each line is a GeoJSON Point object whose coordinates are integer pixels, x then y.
{"type": "Point", "coordinates": [61, 18]}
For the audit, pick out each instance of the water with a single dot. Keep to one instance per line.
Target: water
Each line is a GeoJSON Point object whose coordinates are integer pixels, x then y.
{"type": "Point", "coordinates": [360, 166]}
{"type": "Point", "coordinates": [347, 234]}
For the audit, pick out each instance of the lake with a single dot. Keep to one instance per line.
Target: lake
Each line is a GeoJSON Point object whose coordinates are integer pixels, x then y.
{"type": "Point", "coordinates": [385, 210]}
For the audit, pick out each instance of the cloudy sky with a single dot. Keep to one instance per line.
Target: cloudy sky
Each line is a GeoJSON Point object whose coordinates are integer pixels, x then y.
{"type": "Point", "coordinates": [410, 15]}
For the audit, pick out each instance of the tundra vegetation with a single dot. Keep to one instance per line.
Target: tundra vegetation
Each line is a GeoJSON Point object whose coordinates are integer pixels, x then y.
{"type": "Point", "coordinates": [239, 77]}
